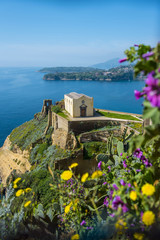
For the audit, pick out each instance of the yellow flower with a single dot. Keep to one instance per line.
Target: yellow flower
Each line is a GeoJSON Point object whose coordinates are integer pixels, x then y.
{"type": "Point", "coordinates": [96, 174]}
{"type": "Point", "coordinates": [75, 237]}
{"type": "Point", "coordinates": [27, 204]}
{"type": "Point", "coordinates": [120, 225]}
{"type": "Point", "coordinates": [138, 236]}
{"type": "Point", "coordinates": [148, 189]}
{"type": "Point", "coordinates": [15, 186]}
{"type": "Point", "coordinates": [135, 184]}
{"type": "Point", "coordinates": [67, 208]}
{"type": "Point", "coordinates": [73, 165]}
{"type": "Point", "coordinates": [84, 177]}
{"type": "Point", "coordinates": [28, 190]}
{"type": "Point", "coordinates": [148, 218]}
{"type": "Point", "coordinates": [75, 204]}
{"type": "Point", "coordinates": [19, 192]}
{"type": "Point", "coordinates": [17, 180]}
{"type": "Point", "coordinates": [66, 175]}
{"type": "Point", "coordinates": [133, 195]}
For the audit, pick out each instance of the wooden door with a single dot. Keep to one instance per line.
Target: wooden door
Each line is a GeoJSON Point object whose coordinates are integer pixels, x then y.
{"type": "Point", "coordinates": [83, 111]}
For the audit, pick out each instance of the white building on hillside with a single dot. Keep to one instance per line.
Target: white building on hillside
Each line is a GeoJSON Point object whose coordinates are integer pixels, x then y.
{"type": "Point", "coordinates": [78, 105]}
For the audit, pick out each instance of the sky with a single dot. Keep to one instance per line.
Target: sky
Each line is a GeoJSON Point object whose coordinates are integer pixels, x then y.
{"type": "Point", "coordinates": [48, 33]}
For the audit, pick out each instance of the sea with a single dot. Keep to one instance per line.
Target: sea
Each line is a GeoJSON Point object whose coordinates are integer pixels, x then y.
{"type": "Point", "coordinates": [22, 91]}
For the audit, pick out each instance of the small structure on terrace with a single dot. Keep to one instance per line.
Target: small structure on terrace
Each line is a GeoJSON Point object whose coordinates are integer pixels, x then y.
{"type": "Point", "coordinates": [78, 105]}
{"type": "Point", "coordinates": [47, 103]}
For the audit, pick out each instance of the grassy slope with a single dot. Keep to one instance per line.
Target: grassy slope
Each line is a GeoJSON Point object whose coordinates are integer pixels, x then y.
{"type": "Point", "coordinates": [117, 115]}
{"type": "Point", "coordinates": [28, 133]}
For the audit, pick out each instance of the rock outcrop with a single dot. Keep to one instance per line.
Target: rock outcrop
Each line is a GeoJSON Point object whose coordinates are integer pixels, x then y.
{"type": "Point", "coordinates": [12, 160]}
{"type": "Point", "coordinates": [63, 139]}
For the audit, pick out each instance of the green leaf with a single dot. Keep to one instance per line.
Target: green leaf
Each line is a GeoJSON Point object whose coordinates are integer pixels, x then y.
{"type": "Point", "coordinates": [56, 207]}
{"type": "Point", "coordinates": [148, 112]}
{"type": "Point", "coordinates": [50, 214]}
{"type": "Point", "coordinates": [120, 148]}
{"type": "Point", "coordinates": [135, 143]}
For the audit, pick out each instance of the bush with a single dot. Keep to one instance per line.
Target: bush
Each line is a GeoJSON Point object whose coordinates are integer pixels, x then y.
{"type": "Point", "coordinates": [56, 109]}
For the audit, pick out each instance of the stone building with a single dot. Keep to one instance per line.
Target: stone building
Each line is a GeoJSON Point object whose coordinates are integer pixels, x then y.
{"type": "Point", "coordinates": [78, 105]}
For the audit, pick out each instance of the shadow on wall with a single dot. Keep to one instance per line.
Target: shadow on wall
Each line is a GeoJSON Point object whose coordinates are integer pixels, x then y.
{"type": "Point", "coordinates": [84, 165]}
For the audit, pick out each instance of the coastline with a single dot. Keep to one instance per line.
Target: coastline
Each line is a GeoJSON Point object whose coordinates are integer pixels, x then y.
{"type": "Point", "coordinates": [101, 80]}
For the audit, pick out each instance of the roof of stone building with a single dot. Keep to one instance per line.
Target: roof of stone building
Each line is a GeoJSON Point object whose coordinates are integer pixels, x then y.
{"type": "Point", "coordinates": [75, 95]}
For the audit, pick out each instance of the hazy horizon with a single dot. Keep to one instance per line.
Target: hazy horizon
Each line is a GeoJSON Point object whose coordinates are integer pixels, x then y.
{"type": "Point", "coordinates": [55, 33]}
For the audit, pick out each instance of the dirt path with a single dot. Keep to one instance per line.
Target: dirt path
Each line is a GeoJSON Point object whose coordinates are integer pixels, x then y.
{"type": "Point", "coordinates": [10, 161]}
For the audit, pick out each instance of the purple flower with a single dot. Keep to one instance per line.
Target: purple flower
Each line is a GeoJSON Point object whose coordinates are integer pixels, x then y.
{"type": "Point", "coordinates": [83, 222]}
{"type": "Point", "coordinates": [136, 45]}
{"type": "Point", "coordinates": [124, 208]}
{"type": "Point", "coordinates": [159, 70]}
{"type": "Point", "coordinates": [112, 215]}
{"type": "Point", "coordinates": [138, 170]}
{"type": "Point", "coordinates": [117, 202]}
{"type": "Point", "coordinates": [111, 193]}
{"type": "Point", "coordinates": [122, 182]}
{"type": "Point", "coordinates": [115, 186]}
{"type": "Point", "coordinates": [145, 161]}
{"type": "Point", "coordinates": [106, 203]}
{"type": "Point", "coordinates": [129, 185]}
{"type": "Point", "coordinates": [138, 153]}
{"type": "Point", "coordinates": [124, 164]}
{"type": "Point", "coordinates": [104, 183]}
{"type": "Point", "coordinates": [89, 227]}
{"type": "Point", "coordinates": [138, 94]}
{"type": "Point", "coordinates": [152, 91]}
{"type": "Point", "coordinates": [99, 165]}
{"type": "Point", "coordinates": [121, 154]}
{"type": "Point", "coordinates": [122, 60]}
{"type": "Point", "coordinates": [147, 55]}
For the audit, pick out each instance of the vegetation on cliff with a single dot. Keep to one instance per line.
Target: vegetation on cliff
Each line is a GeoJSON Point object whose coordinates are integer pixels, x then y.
{"type": "Point", "coordinates": [29, 132]}
{"type": "Point", "coordinates": [122, 73]}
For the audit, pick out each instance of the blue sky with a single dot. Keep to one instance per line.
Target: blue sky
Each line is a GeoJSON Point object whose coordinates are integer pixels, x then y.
{"type": "Point", "coordinates": [73, 33]}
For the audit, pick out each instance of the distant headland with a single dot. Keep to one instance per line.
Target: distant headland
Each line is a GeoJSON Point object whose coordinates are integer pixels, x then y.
{"type": "Point", "coordinates": [121, 73]}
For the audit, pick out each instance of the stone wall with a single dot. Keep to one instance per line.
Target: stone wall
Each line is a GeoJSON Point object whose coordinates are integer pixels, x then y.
{"type": "Point", "coordinates": [59, 122]}
{"type": "Point", "coordinates": [65, 131]}
{"type": "Point", "coordinates": [84, 165]}
{"type": "Point", "coordinates": [99, 136]}
{"type": "Point", "coordinates": [64, 139]}
{"type": "Point", "coordinates": [129, 129]}
{"type": "Point", "coordinates": [85, 126]}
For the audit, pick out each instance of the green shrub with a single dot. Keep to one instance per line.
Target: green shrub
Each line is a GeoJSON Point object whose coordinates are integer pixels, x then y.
{"type": "Point", "coordinates": [56, 109]}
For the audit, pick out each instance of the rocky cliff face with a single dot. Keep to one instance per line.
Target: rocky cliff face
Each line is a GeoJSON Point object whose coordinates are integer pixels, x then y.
{"type": "Point", "coordinates": [64, 139]}
{"type": "Point", "coordinates": [12, 160]}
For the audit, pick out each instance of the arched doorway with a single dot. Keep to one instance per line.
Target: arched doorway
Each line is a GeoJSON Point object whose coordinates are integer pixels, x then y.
{"type": "Point", "coordinates": [83, 110]}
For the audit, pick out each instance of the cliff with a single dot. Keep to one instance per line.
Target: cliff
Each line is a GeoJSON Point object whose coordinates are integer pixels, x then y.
{"type": "Point", "coordinates": [10, 160]}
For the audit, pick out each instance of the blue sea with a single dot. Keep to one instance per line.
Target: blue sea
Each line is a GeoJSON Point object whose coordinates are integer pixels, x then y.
{"type": "Point", "coordinates": [22, 91]}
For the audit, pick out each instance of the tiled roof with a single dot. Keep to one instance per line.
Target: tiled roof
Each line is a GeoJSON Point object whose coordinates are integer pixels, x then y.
{"type": "Point", "coordinates": [75, 95]}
